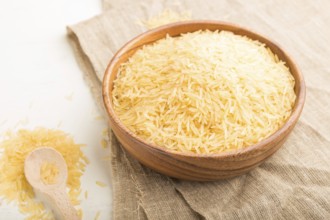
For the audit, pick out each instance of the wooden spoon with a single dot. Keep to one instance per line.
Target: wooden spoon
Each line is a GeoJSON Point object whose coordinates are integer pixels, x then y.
{"type": "Point", "coordinates": [52, 194]}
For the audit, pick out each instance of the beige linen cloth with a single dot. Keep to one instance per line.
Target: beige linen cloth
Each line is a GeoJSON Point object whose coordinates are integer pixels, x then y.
{"type": "Point", "coordinates": [294, 183]}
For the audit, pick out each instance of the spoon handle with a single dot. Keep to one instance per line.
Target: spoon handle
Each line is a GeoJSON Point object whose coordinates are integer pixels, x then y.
{"type": "Point", "coordinates": [61, 205]}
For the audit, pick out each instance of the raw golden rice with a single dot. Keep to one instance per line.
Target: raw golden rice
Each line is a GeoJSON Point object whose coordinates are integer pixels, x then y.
{"type": "Point", "coordinates": [204, 92]}
{"type": "Point", "coordinates": [101, 184]}
{"type": "Point", "coordinates": [13, 185]}
{"type": "Point", "coordinates": [49, 173]}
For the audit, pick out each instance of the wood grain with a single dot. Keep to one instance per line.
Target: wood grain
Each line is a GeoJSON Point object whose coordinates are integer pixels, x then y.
{"type": "Point", "coordinates": [192, 166]}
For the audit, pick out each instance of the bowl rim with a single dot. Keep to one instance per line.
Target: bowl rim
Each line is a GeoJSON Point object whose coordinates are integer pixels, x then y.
{"type": "Point", "coordinates": [291, 121]}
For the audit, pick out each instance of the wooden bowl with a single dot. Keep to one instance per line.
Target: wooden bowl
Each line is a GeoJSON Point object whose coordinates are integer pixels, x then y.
{"type": "Point", "coordinates": [192, 166]}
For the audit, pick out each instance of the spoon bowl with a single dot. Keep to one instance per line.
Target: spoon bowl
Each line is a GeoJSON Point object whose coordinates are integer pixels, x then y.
{"type": "Point", "coordinates": [33, 163]}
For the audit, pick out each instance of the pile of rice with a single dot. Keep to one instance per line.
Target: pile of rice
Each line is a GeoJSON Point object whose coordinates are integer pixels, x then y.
{"type": "Point", "coordinates": [13, 184]}
{"type": "Point", "coordinates": [204, 92]}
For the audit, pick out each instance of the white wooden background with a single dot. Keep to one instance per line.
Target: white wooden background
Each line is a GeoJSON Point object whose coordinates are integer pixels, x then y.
{"type": "Point", "coordinates": [42, 85]}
